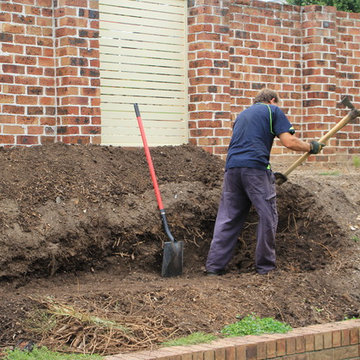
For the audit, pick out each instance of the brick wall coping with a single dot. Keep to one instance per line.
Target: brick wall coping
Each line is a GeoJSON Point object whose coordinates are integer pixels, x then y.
{"type": "Point", "coordinates": [332, 341]}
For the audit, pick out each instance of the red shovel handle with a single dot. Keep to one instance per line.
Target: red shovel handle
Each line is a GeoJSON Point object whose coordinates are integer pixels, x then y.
{"type": "Point", "coordinates": [148, 158]}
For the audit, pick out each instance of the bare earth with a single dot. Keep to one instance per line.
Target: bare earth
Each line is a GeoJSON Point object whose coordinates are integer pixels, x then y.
{"type": "Point", "coordinates": [81, 241]}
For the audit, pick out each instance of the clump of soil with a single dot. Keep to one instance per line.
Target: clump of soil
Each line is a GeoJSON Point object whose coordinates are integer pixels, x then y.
{"type": "Point", "coordinates": [81, 224]}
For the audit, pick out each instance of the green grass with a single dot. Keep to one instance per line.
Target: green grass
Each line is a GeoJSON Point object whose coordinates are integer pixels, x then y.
{"type": "Point", "coordinates": [192, 339]}
{"type": "Point", "coordinates": [331, 173]}
{"type": "Point", "coordinates": [355, 239]}
{"type": "Point", "coordinates": [253, 325]}
{"type": "Point", "coordinates": [250, 325]}
{"type": "Point", "coordinates": [44, 354]}
{"type": "Point", "coordinates": [356, 161]}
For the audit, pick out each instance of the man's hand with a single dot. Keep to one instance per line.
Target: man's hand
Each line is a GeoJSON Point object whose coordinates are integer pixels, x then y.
{"type": "Point", "coordinates": [315, 147]}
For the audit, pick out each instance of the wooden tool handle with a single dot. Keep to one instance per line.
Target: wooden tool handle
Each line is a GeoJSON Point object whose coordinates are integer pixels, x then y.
{"type": "Point", "coordinates": [354, 113]}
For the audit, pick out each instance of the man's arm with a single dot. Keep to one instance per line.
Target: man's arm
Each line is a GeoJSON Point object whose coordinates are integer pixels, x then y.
{"type": "Point", "coordinates": [294, 143]}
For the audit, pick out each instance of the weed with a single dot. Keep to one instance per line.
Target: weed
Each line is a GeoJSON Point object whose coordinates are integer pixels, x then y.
{"type": "Point", "coordinates": [70, 312]}
{"type": "Point", "coordinates": [41, 322]}
{"type": "Point", "coordinates": [331, 173]}
{"type": "Point", "coordinates": [250, 325]}
{"type": "Point", "coordinates": [192, 339]}
{"type": "Point", "coordinates": [355, 239]}
{"type": "Point", "coordinates": [356, 161]}
{"type": "Point", "coordinates": [253, 325]}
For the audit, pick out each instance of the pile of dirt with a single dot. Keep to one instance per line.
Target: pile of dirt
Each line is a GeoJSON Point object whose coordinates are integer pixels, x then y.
{"type": "Point", "coordinates": [81, 240]}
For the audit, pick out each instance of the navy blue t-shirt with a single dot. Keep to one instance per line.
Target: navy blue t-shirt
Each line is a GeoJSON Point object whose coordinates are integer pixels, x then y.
{"type": "Point", "coordinates": [253, 135]}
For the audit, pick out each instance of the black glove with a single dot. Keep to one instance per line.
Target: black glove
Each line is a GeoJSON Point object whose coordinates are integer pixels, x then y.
{"type": "Point", "coordinates": [280, 178]}
{"type": "Point", "coordinates": [315, 147]}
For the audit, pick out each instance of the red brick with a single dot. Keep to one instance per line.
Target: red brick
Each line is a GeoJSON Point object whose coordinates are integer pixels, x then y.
{"type": "Point", "coordinates": [75, 100]}
{"type": "Point", "coordinates": [13, 129]}
{"type": "Point", "coordinates": [290, 345]}
{"type": "Point", "coordinates": [80, 140]}
{"type": "Point", "coordinates": [345, 334]}
{"type": "Point", "coordinates": [35, 130]}
{"type": "Point", "coordinates": [261, 350]}
{"type": "Point", "coordinates": [96, 120]}
{"type": "Point", "coordinates": [50, 121]}
{"type": "Point", "coordinates": [27, 100]}
{"type": "Point", "coordinates": [74, 81]}
{"type": "Point", "coordinates": [299, 344]}
{"type": "Point", "coordinates": [6, 99]}
{"type": "Point", "coordinates": [15, 69]}
{"type": "Point", "coordinates": [241, 349]}
{"type": "Point", "coordinates": [346, 352]}
{"type": "Point", "coordinates": [328, 337]}
{"type": "Point", "coordinates": [91, 130]}
{"type": "Point", "coordinates": [90, 111]}
{"type": "Point", "coordinates": [12, 48]}
{"type": "Point", "coordinates": [27, 120]}
{"type": "Point", "coordinates": [90, 91]}
{"type": "Point", "coordinates": [48, 52]}
{"type": "Point", "coordinates": [35, 110]}
{"type": "Point", "coordinates": [95, 102]}
{"type": "Point", "coordinates": [354, 336]}
{"type": "Point", "coordinates": [13, 109]}
{"type": "Point", "coordinates": [13, 29]}
{"type": "Point", "coordinates": [21, 39]}
{"type": "Point", "coordinates": [6, 59]}
{"type": "Point", "coordinates": [271, 349]}
{"type": "Point", "coordinates": [7, 139]}
{"type": "Point", "coordinates": [281, 347]}
{"type": "Point", "coordinates": [21, 19]}
{"type": "Point", "coordinates": [5, 17]}
{"type": "Point", "coordinates": [25, 80]}
{"type": "Point", "coordinates": [9, 7]}
{"type": "Point", "coordinates": [27, 140]}
{"type": "Point", "coordinates": [32, 70]}
{"type": "Point", "coordinates": [35, 30]}
{"type": "Point", "coordinates": [44, 3]}
{"type": "Point", "coordinates": [33, 50]}
{"type": "Point", "coordinates": [309, 342]}
{"type": "Point", "coordinates": [47, 100]}
{"type": "Point", "coordinates": [47, 81]}
{"type": "Point", "coordinates": [7, 119]}
{"type": "Point", "coordinates": [35, 90]}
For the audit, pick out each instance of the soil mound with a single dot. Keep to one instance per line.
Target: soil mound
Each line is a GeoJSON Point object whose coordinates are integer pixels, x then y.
{"type": "Point", "coordinates": [81, 223]}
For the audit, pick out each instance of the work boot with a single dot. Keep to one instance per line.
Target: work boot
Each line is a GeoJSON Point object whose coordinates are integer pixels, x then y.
{"type": "Point", "coordinates": [215, 272]}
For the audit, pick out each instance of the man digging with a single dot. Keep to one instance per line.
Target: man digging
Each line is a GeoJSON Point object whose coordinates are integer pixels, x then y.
{"type": "Point", "coordinates": [248, 180]}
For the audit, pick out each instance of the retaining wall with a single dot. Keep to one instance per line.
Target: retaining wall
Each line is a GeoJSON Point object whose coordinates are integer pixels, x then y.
{"type": "Point", "coordinates": [334, 341]}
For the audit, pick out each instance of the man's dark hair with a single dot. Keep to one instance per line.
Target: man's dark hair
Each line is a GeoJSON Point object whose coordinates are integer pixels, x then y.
{"type": "Point", "coordinates": [266, 95]}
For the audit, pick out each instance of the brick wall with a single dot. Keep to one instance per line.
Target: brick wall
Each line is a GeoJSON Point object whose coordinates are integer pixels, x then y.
{"type": "Point", "coordinates": [27, 77]}
{"type": "Point", "coordinates": [50, 80]}
{"type": "Point", "coordinates": [77, 71]}
{"type": "Point", "coordinates": [335, 341]}
{"type": "Point", "coordinates": [310, 55]}
{"type": "Point", "coordinates": [209, 74]}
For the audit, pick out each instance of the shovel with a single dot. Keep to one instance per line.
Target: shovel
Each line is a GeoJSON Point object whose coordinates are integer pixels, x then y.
{"type": "Point", "coordinates": [354, 113]}
{"type": "Point", "coordinates": [172, 264]}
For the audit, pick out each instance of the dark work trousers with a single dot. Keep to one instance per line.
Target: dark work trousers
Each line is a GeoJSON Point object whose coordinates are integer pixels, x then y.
{"type": "Point", "coordinates": [241, 188]}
